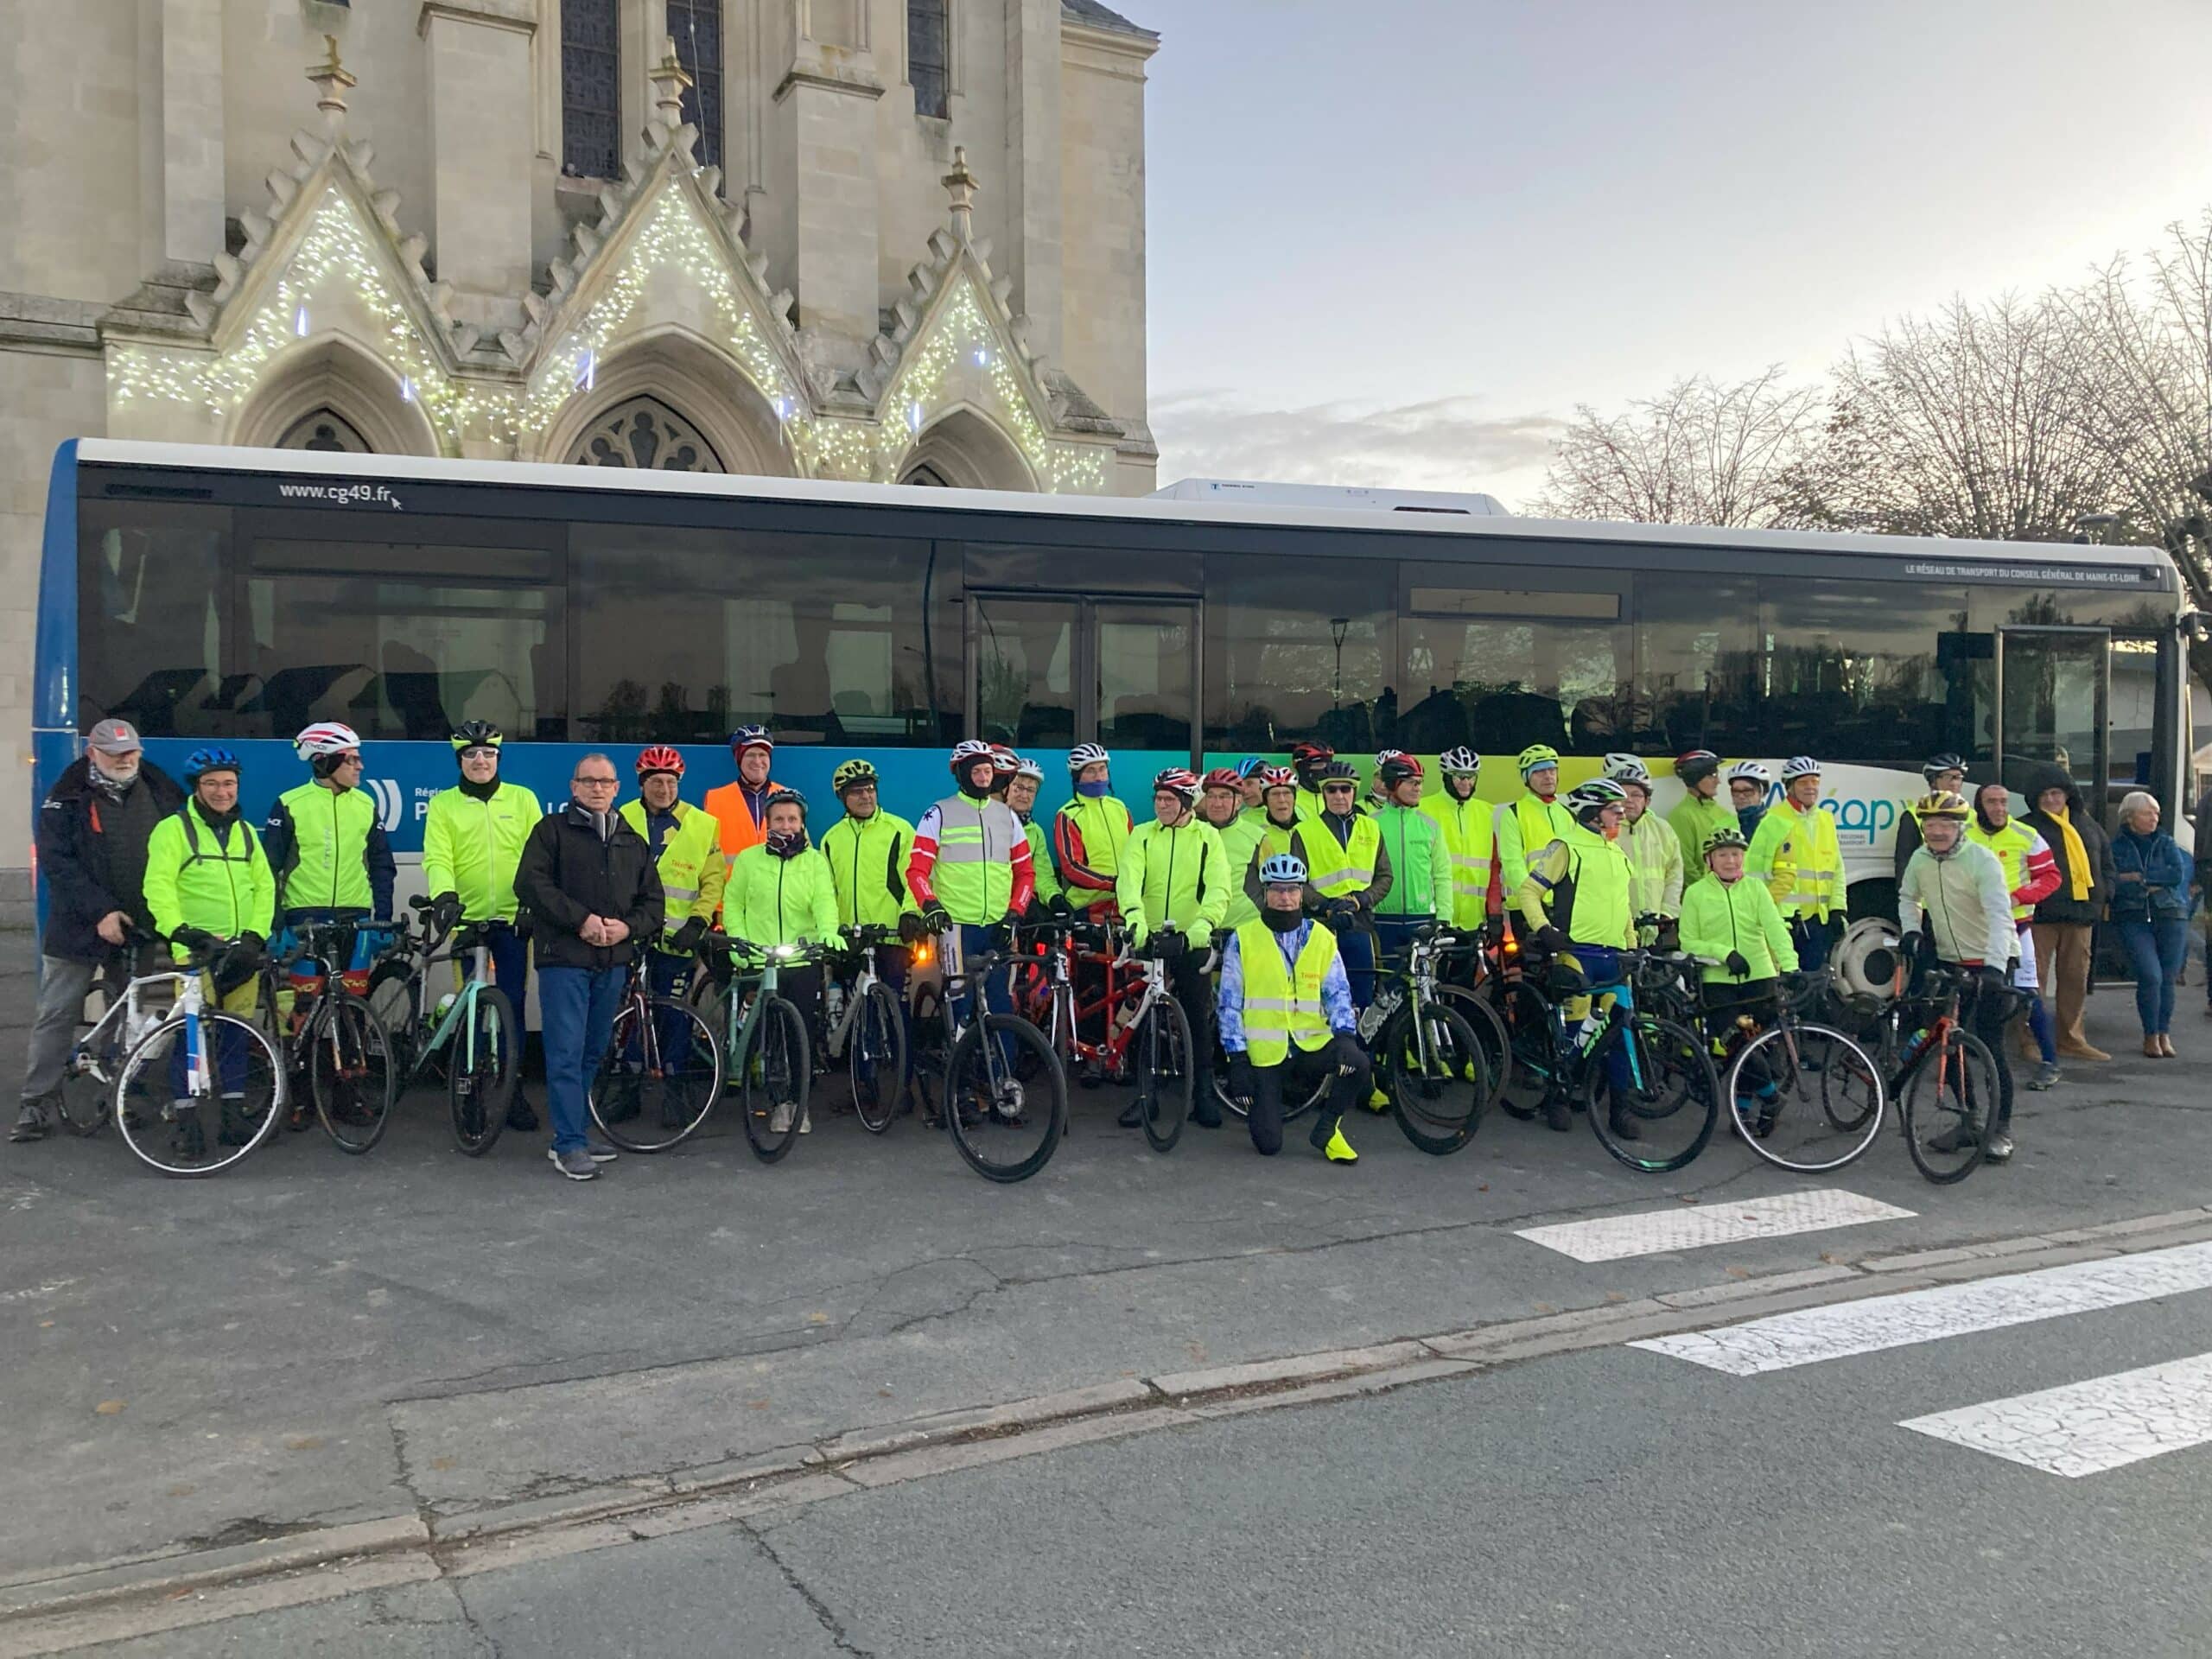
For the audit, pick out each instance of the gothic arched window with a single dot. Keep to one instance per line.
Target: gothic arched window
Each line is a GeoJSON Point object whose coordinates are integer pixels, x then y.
{"type": "Point", "coordinates": [646, 432]}
{"type": "Point", "coordinates": [696, 26]}
{"type": "Point", "coordinates": [929, 55]}
{"type": "Point", "coordinates": [591, 88]}
{"type": "Point", "coordinates": [325, 430]}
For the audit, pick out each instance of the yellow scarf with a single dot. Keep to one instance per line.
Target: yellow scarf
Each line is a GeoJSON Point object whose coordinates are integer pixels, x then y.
{"type": "Point", "coordinates": [2077, 857]}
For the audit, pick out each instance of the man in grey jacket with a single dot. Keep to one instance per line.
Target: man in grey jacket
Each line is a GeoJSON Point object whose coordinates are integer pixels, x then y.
{"type": "Point", "coordinates": [1956, 888]}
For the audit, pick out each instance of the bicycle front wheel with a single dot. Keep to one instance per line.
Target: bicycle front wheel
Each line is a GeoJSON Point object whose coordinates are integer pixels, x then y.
{"type": "Point", "coordinates": [1436, 1074]}
{"type": "Point", "coordinates": [658, 1077]}
{"type": "Point", "coordinates": [1007, 1129]}
{"type": "Point", "coordinates": [878, 1058]}
{"type": "Point", "coordinates": [352, 1076]}
{"type": "Point", "coordinates": [1490, 1036]}
{"type": "Point", "coordinates": [1161, 1045]}
{"type": "Point", "coordinates": [1662, 1112]}
{"type": "Point", "coordinates": [483, 1058]}
{"type": "Point", "coordinates": [191, 1103]}
{"type": "Point", "coordinates": [1950, 1105]}
{"type": "Point", "coordinates": [1806, 1098]}
{"type": "Point", "coordinates": [773, 1078]}
{"type": "Point", "coordinates": [1535, 1072]}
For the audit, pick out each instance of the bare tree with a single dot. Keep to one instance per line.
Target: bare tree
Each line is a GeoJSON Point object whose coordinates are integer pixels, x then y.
{"type": "Point", "coordinates": [1973, 423]}
{"type": "Point", "coordinates": [1697, 454]}
{"type": "Point", "coordinates": [2147, 393]}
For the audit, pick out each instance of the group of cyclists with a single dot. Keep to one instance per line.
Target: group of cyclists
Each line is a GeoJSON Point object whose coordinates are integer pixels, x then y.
{"type": "Point", "coordinates": [1264, 891]}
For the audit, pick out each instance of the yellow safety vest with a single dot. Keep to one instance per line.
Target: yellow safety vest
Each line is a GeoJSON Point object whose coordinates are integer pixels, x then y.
{"type": "Point", "coordinates": [1471, 838]}
{"type": "Point", "coordinates": [1334, 871]}
{"type": "Point", "coordinates": [1282, 1004]}
{"type": "Point", "coordinates": [1795, 853]}
{"type": "Point", "coordinates": [2011, 845]}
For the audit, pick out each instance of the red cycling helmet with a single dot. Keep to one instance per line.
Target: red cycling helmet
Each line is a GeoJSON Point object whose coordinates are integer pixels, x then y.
{"type": "Point", "coordinates": [659, 758]}
{"type": "Point", "coordinates": [1222, 777]}
{"type": "Point", "coordinates": [1276, 777]}
{"type": "Point", "coordinates": [1310, 753]}
{"type": "Point", "coordinates": [1177, 780]}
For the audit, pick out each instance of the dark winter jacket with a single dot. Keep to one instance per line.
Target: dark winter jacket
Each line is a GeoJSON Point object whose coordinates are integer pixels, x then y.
{"type": "Point", "coordinates": [567, 872]}
{"type": "Point", "coordinates": [2160, 891]}
{"type": "Point", "coordinates": [2062, 906]}
{"type": "Point", "coordinates": [75, 855]}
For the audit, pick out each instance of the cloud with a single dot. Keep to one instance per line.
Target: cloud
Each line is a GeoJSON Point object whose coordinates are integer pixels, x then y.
{"type": "Point", "coordinates": [1446, 443]}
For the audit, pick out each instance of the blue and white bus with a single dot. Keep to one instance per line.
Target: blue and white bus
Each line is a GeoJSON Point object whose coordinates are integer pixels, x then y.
{"type": "Point", "coordinates": [237, 596]}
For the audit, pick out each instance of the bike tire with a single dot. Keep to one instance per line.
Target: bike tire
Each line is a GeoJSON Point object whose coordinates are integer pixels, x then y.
{"type": "Point", "coordinates": [1292, 1109]}
{"type": "Point", "coordinates": [479, 1090]}
{"type": "Point", "coordinates": [86, 1105]}
{"type": "Point", "coordinates": [391, 999]}
{"type": "Point", "coordinates": [352, 1076]}
{"type": "Point", "coordinates": [926, 1057]}
{"type": "Point", "coordinates": [877, 1055]}
{"type": "Point", "coordinates": [667, 1100]}
{"type": "Point", "coordinates": [1490, 1033]}
{"type": "Point", "coordinates": [1809, 1094]}
{"type": "Point", "coordinates": [1425, 1065]}
{"type": "Point", "coordinates": [1166, 1082]}
{"type": "Point", "coordinates": [1675, 1063]}
{"type": "Point", "coordinates": [1933, 1100]}
{"type": "Point", "coordinates": [968, 1067]}
{"type": "Point", "coordinates": [773, 1079]}
{"type": "Point", "coordinates": [1527, 1019]}
{"type": "Point", "coordinates": [161, 1138]}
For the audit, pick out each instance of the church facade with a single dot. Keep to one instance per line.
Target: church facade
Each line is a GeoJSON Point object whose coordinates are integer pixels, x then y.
{"type": "Point", "coordinates": [892, 240]}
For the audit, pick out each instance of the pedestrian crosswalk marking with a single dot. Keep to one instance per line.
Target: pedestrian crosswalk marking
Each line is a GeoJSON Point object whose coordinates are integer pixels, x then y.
{"type": "Point", "coordinates": [1840, 1330]}
{"type": "Point", "coordinates": [1684, 1227]}
{"type": "Point", "coordinates": [2085, 1429]}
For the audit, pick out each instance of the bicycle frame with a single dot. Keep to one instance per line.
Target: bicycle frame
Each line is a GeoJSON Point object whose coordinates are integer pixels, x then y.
{"type": "Point", "coordinates": [461, 1012]}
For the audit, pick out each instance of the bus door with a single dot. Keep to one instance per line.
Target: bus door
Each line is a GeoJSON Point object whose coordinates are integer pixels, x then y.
{"type": "Point", "coordinates": [1051, 671]}
{"type": "Point", "coordinates": [2053, 708]}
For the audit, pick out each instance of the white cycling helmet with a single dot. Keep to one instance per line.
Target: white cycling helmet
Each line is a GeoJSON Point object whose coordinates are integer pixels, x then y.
{"type": "Point", "coordinates": [1461, 762]}
{"type": "Point", "coordinates": [325, 737]}
{"type": "Point", "coordinates": [1627, 768]}
{"type": "Point", "coordinates": [1086, 755]}
{"type": "Point", "coordinates": [1024, 767]}
{"type": "Point", "coordinates": [1750, 772]}
{"type": "Point", "coordinates": [1800, 766]}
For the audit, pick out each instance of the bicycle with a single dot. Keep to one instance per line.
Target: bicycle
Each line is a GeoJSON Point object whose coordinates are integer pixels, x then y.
{"type": "Point", "coordinates": [867, 1028]}
{"type": "Point", "coordinates": [97, 1052]}
{"type": "Point", "coordinates": [990, 1111]}
{"type": "Point", "coordinates": [1804, 1096]}
{"type": "Point", "coordinates": [1671, 1083]}
{"type": "Point", "coordinates": [207, 1057]}
{"type": "Point", "coordinates": [334, 1036]}
{"type": "Point", "coordinates": [765, 1043]}
{"type": "Point", "coordinates": [662, 1068]}
{"type": "Point", "coordinates": [1428, 1057]}
{"type": "Point", "coordinates": [472, 1032]}
{"type": "Point", "coordinates": [1147, 1039]}
{"type": "Point", "coordinates": [1949, 1088]}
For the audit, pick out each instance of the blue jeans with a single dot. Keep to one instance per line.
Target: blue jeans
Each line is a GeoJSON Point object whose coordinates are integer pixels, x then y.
{"type": "Point", "coordinates": [2156, 948]}
{"type": "Point", "coordinates": [1357, 946]}
{"type": "Point", "coordinates": [577, 1006]}
{"type": "Point", "coordinates": [510, 954]}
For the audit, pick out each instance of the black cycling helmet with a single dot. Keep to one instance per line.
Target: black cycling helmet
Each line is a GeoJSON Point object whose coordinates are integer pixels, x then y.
{"type": "Point", "coordinates": [1337, 771]}
{"type": "Point", "coordinates": [477, 735]}
{"type": "Point", "coordinates": [1695, 765]}
{"type": "Point", "coordinates": [780, 796]}
{"type": "Point", "coordinates": [1720, 840]}
{"type": "Point", "coordinates": [1936, 764]}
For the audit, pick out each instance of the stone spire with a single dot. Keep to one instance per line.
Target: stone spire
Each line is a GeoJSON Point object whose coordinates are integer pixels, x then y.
{"type": "Point", "coordinates": [670, 82]}
{"type": "Point", "coordinates": [960, 186]}
{"type": "Point", "coordinates": [334, 80]}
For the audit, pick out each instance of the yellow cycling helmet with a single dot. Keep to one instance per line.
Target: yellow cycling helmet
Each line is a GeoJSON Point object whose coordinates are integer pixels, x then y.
{"type": "Point", "coordinates": [1537, 757]}
{"type": "Point", "coordinates": [1944, 804]}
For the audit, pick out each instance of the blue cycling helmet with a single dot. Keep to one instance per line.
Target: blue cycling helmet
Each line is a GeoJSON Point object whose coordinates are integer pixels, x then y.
{"type": "Point", "coordinates": [1249, 765]}
{"type": "Point", "coordinates": [203, 761]}
{"type": "Point", "coordinates": [1282, 869]}
{"type": "Point", "coordinates": [751, 737]}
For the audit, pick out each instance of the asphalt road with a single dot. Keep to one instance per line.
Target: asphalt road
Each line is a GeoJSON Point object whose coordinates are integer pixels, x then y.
{"type": "Point", "coordinates": [315, 1340]}
{"type": "Point", "coordinates": [1612, 1502]}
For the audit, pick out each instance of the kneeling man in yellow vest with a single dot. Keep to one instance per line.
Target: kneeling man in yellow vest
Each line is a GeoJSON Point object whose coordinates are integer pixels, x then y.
{"type": "Point", "coordinates": [1286, 1018]}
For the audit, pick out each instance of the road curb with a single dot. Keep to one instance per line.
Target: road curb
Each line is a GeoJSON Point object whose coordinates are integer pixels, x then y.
{"type": "Point", "coordinates": [55, 1611]}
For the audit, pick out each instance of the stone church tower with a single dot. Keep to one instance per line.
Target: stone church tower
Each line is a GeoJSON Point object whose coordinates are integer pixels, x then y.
{"type": "Point", "coordinates": [895, 240]}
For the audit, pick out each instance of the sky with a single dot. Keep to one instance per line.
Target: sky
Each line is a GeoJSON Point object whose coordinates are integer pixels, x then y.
{"type": "Point", "coordinates": [1398, 242]}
